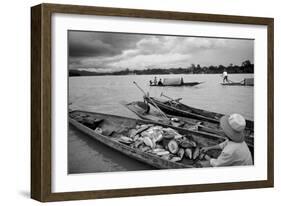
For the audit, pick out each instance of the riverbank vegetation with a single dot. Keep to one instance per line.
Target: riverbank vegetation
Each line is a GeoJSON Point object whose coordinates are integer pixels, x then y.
{"type": "Point", "coordinates": [245, 67]}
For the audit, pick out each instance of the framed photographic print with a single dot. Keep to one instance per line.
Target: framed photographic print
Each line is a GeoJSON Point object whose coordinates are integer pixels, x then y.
{"type": "Point", "coordinates": [130, 102]}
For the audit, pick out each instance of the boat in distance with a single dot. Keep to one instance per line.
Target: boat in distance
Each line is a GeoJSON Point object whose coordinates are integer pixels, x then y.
{"type": "Point", "coordinates": [234, 84]}
{"type": "Point", "coordinates": [172, 82]}
{"type": "Point", "coordinates": [245, 82]}
{"type": "Point", "coordinates": [190, 84]}
{"type": "Point", "coordinates": [116, 133]}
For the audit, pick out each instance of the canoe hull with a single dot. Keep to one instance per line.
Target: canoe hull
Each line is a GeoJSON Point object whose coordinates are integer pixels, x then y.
{"type": "Point", "coordinates": [119, 124]}
{"type": "Point", "coordinates": [178, 112]}
{"type": "Point", "coordinates": [146, 158]}
{"type": "Point", "coordinates": [187, 111]}
{"type": "Point", "coordinates": [234, 84]}
{"type": "Point", "coordinates": [188, 84]}
{"type": "Point", "coordinates": [245, 82]}
{"type": "Point", "coordinates": [154, 116]}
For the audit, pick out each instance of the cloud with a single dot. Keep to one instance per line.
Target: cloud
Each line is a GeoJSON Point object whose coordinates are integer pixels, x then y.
{"type": "Point", "coordinates": [96, 44]}
{"type": "Point", "coordinates": [117, 51]}
{"type": "Point", "coordinates": [153, 60]}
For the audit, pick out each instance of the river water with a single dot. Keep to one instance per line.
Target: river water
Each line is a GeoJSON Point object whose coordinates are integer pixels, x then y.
{"type": "Point", "coordinates": [104, 93]}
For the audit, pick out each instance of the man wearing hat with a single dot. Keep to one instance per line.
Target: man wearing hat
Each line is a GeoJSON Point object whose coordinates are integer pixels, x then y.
{"type": "Point", "coordinates": [235, 151]}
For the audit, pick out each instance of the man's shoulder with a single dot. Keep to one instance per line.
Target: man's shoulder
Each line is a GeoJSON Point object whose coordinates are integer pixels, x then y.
{"type": "Point", "coordinates": [231, 146]}
{"type": "Point", "coordinates": [235, 146]}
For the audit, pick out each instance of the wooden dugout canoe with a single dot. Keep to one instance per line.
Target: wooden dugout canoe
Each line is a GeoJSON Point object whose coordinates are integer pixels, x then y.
{"type": "Point", "coordinates": [112, 126]}
{"type": "Point", "coordinates": [245, 82]}
{"type": "Point", "coordinates": [179, 109]}
{"type": "Point", "coordinates": [235, 84]}
{"type": "Point", "coordinates": [189, 84]}
{"type": "Point", "coordinates": [140, 109]}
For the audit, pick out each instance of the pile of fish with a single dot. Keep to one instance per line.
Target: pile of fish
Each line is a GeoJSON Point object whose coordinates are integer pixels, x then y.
{"type": "Point", "coordinates": [166, 143]}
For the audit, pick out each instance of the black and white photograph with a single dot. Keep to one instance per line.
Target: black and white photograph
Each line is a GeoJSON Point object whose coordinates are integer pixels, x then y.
{"type": "Point", "coordinates": [152, 101]}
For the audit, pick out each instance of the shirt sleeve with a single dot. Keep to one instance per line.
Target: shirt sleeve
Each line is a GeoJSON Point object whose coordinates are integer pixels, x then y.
{"type": "Point", "coordinates": [223, 144]}
{"type": "Point", "coordinates": [225, 159]}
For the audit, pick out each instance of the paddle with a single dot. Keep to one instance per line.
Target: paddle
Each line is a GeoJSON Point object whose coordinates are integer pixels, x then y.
{"type": "Point", "coordinates": [162, 113]}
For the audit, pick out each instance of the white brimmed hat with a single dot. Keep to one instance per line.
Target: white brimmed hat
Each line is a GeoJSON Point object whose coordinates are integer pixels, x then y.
{"type": "Point", "coordinates": [233, 126]}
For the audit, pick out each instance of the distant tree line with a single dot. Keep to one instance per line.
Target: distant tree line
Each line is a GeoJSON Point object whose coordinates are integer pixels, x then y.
{"type": "Point", "coordinates": [245, 67]}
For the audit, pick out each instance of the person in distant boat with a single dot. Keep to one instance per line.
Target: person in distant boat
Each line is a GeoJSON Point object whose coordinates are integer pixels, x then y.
{"type": "Point", "coordinates": [150, 82]}
{"type": "Point", "coordinates": [235, 151]}
{"type": "Point", "coordinates": [155, 81]}
{"type": "Point", "coordinates": [160, 82]}
{"type": "Point", "coordinates": [225, 76]}
{"type": "Point", "coordinates": [181, 81]}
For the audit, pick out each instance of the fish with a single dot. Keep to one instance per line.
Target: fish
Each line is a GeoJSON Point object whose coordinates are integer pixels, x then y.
{"type": "Point", "coordinates": [145, 148]}
{"type": "Point", "coordinates": [170, 133]}
{"type": "Point", "coordinates": [193, 143]}
{"type": "Point", "coordinates": [178, 136]}
{"type": "Point", "coordinates": [181, 153]}
{"type": "Point", "coordinates": [196, 153]}
{"type": "Point", "coordinates": [158, 150]}
{"type": "Point", "coordinates": [173, 146]}
{"type": "Point", "coordinates": [186, 144]}
{"type": "Point", "coordinates": [168, 136]}
{"type": "Point", "coordinates": [159, 146]}
{"type": "Point", "coordinates": [125, 140]}
{"type": "Point", "coordinates": [162, 153]}
{"type": "Point", "coordinates": [148, 142]}
{"type": "Point", "coordinates": [175, 159]}
{"type": "Point", "coordinates": [159, 138]}
{"type": "Point", "coordinates": [189, 141]}
{"type": "Point", "coordinates": [188, 153]}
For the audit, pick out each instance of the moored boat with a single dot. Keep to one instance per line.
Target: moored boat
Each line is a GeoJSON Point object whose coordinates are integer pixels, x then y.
{"type": "Point", "coordinates": [179, 109]}
{"type": "Point", "coordinates": [144, 111]}
{"type": "Point", "coordinates": [131, 137]}
{"type": "Point", "coordinates": [174, 107]}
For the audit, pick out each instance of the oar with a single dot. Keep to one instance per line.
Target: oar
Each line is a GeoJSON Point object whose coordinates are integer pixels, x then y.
{"type": "Point", "coordinates": [162, 113]}
{"type": "Point", "coordinates": [176, 100]}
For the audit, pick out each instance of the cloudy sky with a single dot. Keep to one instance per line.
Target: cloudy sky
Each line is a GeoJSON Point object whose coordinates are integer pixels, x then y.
{"type": "Point", "coordinates": [98, 51]}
